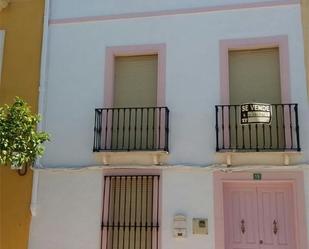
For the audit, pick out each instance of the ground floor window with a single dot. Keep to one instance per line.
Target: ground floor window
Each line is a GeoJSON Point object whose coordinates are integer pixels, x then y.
{"type": "Point", "coordinates": [130, 212]}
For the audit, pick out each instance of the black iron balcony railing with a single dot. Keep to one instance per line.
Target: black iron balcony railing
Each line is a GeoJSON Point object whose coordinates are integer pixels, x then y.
{"type": "Point", "coordinates": [131, 129]}
{"type": "Point", "coordinates": [282, 134]}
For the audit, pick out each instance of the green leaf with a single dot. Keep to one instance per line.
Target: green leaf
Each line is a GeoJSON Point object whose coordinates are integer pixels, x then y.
{"type": "Point", "coordinates": [20, 142]}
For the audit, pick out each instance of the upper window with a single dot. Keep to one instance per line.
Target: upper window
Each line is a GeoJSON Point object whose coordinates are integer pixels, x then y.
{"type": "Point", "coordinates": [134, 119]}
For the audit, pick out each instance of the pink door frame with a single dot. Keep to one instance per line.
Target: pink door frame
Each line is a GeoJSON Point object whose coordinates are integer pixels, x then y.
{"type": "Point", "coordinates": [134, 50]}
{"type": "Point", "coordinates": [296, 178]}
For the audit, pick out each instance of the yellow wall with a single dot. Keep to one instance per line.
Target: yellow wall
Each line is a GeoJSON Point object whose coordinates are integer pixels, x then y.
{"type": "Point", "coordinates": [22, 21]}
{"type": "Point", "coordinates": [305, 16]}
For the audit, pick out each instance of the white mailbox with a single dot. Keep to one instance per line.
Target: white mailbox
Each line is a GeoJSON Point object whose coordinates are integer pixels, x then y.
{"type": "Point", "coordinates": [180, 226]}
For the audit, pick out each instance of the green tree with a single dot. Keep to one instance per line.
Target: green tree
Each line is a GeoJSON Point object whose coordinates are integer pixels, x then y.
{"type": "Point", "coordinates": [20, 142]}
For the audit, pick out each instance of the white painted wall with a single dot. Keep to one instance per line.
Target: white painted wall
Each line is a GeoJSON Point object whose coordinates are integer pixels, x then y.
{"type": "Point", "coordinates": [75, 76]}
{"type": "Point", "coordinates": [70, 208]}
{"type": "Point", "coordinates": [80, 8]}
{"type": "Point", "coordinates": [69, 211]}
{"type": "Point", "coordinates": [189, 193]}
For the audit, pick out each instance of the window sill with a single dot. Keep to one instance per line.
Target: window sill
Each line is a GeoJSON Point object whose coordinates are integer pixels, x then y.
{"type": "Point", "coordinates": [261, 157]}
{"type": "Point", "coordinates": [132, 157]}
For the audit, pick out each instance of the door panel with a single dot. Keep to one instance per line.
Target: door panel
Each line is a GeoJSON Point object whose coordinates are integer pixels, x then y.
{"type": "Point", "coordinates": [275, 212]}
{"type": "Point", "coordinates": [266, 216]}
{"type": "Point", "coordinates": [282, 220]}
{"type": "Point", "coordinates": [259, 216]}
{"type": "Point", "coordinates": [241, 212]}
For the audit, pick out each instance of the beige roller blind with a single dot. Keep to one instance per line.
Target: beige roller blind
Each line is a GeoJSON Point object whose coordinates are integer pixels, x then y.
{"type": "Point", "coordinates": [135, 81]}
{"type": "Point", "coordinates": [135, 86]}
{"type": "Point", "coordinates": [254, 76]}
{"type": "Point", "coordinates": [131, 212]}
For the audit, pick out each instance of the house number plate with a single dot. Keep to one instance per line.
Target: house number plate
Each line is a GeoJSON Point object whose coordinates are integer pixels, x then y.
{"type": "Point", "coordinates": [257, 176]}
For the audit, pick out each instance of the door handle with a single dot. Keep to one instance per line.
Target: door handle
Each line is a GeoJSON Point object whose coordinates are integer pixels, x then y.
{"type": "Point", "coordinates": [275, 227]}
{"type": "Point", "coordinates": [242, 226]}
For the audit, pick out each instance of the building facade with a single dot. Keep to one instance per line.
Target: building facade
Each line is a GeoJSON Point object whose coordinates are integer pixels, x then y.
{"type": "Point", "coordinates": [21, 26]}
{"type": "Point", "coordinates": [151, 147]}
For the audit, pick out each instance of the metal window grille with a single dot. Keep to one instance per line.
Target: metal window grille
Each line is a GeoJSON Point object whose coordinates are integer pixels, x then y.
{"type": "Point", "coordinates": [130, 218]}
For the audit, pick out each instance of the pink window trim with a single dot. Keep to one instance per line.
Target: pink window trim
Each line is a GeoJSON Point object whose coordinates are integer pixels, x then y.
{"type": "Point", "coordinates": [149, 49]}
{"type": "Point", "coordinates": [295, 178]}
{"type": "Point", "coordinates": [128, 172]}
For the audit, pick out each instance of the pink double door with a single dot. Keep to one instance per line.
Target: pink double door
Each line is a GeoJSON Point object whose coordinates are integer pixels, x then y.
{"type": "Point", "coordinates": [259, 216]}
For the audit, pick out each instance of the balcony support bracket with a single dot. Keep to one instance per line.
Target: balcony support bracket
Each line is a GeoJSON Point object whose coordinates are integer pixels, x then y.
{"type": "Point", "coordinates": [156, 159]}
{"type": "Point", "coordinates": [105, 159]}
{"type": "Point", "coordinates": [132, 158]}
{"type": "Point", "coordinates": [286, 159]}
{"type": "Point", "coordinates": [229, 160]}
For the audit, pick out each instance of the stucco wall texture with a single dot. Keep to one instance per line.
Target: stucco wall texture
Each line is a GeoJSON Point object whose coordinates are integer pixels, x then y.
{"type": "Point", "coordinates": [22, 22]}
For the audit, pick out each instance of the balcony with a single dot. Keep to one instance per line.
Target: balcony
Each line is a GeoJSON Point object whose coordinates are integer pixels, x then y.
{"type": "Point", "coordinates": [281, 135]}
{"type": "Point", "coordinates": [131, 129]}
